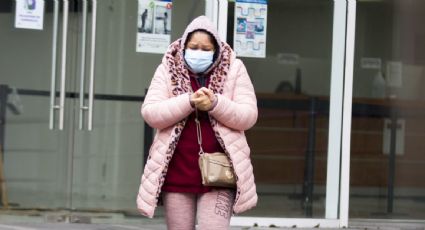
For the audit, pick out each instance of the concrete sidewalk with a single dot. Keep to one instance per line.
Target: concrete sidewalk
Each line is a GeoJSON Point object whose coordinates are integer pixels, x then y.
{"type": "Point", "coordinates": [64, 226]}
{"type": "Point", "coordinates": [42, 220]}
{"type": "Point", "coordinates": [161, 226]}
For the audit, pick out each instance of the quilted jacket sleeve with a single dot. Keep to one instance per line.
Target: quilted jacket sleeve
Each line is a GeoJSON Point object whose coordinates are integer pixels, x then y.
{"type": "Point", "coordinates": [240, 113]}
{"type": "Point", "coordinates": [160, 109]}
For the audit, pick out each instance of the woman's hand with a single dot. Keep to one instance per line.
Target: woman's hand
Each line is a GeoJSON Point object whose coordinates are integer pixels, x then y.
{"type": "Point", "coordinates": [203, 99]}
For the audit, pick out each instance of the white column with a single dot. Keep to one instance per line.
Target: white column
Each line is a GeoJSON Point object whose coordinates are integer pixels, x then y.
{"type": "Point", "coordinates": [211, 10]}
{"type": "Point", "coordinates": [209, 6]}
{"type": "Point", "coordinates": [335, 109]}
{"type": "Point", "coordinates": [346, 116]}
{"type": "Point", "coordinates": [222, 19]}
{"type": "Point", "coordinates": [216, 10]}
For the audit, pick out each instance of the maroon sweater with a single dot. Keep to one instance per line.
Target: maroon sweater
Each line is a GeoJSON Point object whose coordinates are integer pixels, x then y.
{"type": "Point", "coordinates": [183, 173]}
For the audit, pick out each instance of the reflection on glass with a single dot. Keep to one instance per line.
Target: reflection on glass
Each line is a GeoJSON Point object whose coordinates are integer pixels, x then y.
{"type": "Point", "coordinates": [289, 142]}
{"type": "Point", "coordinates": [388, 126]}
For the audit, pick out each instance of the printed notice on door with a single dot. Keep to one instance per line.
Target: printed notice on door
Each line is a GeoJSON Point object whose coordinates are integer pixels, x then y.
{"type": "Point", "coordinates": [250, 28]}
{"type": "Point", "coordinates": [29, 14]}
{"type": "Point", "coordinates": [153, 26]}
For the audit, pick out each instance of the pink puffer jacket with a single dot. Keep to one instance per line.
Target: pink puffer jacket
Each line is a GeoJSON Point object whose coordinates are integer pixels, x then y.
{"type": "Point", "coordinates": [167, 106]}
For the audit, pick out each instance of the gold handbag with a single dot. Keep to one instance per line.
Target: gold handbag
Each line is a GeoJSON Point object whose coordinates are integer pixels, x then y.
{"type": "Point", "coordinates": [216, 169]}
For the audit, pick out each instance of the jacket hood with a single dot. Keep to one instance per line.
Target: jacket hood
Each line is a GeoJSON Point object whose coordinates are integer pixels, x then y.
{"type": "Point", "coordinates": [203, 23]}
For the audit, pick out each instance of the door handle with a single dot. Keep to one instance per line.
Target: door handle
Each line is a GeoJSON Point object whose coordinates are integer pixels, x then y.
{"type": "Point", "coordinates": [83, 107]}
{"type": "Point", "coordinates": [92, 59]}
{"type": "Point", "coordinates": [63, 63]}
{"type": "Point", "coordinates": [53, 105]}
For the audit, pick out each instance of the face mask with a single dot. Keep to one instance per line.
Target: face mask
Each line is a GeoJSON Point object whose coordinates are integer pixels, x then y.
{"type": "Point", "coordinates": [198, 60]}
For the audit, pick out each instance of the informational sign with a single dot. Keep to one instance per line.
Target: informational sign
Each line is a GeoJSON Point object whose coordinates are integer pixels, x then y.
{"type": "Point", "coordinates": [29, 14]}
{"type": "Point", "coordinates": [371, 63]}
{"type": "Point", "coordinates": [153, 26]}
{"type": "Point", "coordinates": [250, 28]}
{"type": "Point", "coordinates": [395, 73]}
{"type": "Point", "coordinates": [288, 58]}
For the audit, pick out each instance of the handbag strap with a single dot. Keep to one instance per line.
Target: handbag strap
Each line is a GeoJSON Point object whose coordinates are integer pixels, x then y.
{"type": "Point", "coordinates": [198, 132]}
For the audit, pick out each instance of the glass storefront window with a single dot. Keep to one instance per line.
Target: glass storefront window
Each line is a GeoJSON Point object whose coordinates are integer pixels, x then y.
{"type": "Point", "coordinates": [289, 142]}
{"type": "Point", "coordinates": [76, 168]}
{"type": "Point", "coordinates": [388, 117]}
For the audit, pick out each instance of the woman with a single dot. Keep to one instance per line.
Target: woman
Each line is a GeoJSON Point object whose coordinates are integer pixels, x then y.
{"type": "Point", "coordinates": [199, 72]}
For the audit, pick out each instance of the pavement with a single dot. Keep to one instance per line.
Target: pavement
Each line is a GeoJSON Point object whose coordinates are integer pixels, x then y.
{"type": "Point", "coordinates": [42, 220]}
{"type": "Point", "coordinates": [102, 227]}
{"type": "Point", "coordinates": [158, 226]}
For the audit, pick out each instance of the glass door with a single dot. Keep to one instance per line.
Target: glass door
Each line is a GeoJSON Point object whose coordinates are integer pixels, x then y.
{"type": "Point", "coordinates": [36, 123]}
{"type": "Point", "coordinates": [71, 132]}
{"type": "Point", "coordinates": [295, 145]}
{"type": "Point", "coordinates": [388, 112]}
{"type": "Point", "coordinates": [108, 143]}
{"type": "Point", "coordinates": [108, 159]}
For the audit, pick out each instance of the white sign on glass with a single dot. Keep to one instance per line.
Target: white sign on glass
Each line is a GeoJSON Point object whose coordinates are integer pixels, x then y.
{"type": "Point", "coordinates": [371, 63]}
{"type": "Point", "coordinates": [395, 74]}
{"type": "Point", "coordinates": [249, 36]}
{"type": "Point", "coordinates": [29, 14]}
{"type": "Point", "coordinates": [153, 26]}
{"type": "Point", "coordinates": [288, 58]}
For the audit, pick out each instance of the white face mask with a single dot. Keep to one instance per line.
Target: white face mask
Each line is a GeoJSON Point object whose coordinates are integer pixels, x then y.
{"type": "Point", "coordinates": [198, 60]}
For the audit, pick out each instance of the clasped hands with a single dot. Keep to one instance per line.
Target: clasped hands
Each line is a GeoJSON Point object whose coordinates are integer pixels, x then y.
{"type": "Point", "coordinates": [203, 99]}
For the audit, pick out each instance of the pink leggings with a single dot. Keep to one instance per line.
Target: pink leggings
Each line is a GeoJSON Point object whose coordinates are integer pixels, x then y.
{"type": "Point", "coordinates": [212, 210]}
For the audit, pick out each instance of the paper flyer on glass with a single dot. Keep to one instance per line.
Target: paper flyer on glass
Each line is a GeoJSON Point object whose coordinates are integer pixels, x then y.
{"type": "Point", "coordinates": [153, 26]}
{"type": "Point", "coordinates": [250, 28]}
{"type": "Point", "coordinates": [29, 14]}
